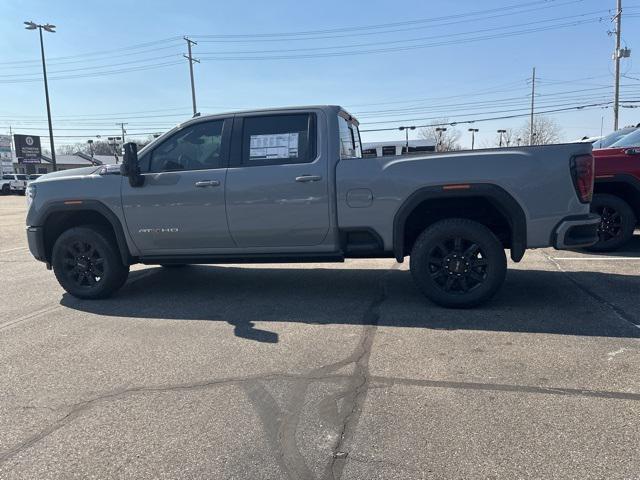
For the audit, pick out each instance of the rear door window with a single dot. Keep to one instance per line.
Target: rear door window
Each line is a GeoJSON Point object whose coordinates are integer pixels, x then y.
{"type": "Point", "coordinates": [278, 139]}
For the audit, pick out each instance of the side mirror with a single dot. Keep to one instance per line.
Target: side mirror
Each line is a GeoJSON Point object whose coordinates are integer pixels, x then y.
{"type": "Point", "coordinates": [130, 167]}
{"type": "Point", "coordinates": [632, 151]}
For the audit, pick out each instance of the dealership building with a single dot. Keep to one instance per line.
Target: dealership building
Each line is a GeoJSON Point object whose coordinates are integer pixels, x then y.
{"type": "Point", "coordinates": [63, 162]}
{"type": "Point", "coordinates": [397, 147]}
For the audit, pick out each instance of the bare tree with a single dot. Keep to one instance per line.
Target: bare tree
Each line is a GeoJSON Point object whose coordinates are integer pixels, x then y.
{"type": "Point", "coordinates": [445, 140]}
{"type": "Point", "coordinates": [545, 131]}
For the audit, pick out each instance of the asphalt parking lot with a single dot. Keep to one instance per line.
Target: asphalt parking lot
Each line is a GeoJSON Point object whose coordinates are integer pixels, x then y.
{"type": "Point", "coordinates": [319, 371]}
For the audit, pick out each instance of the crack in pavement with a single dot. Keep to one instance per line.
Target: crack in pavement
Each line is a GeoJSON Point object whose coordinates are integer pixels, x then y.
{"type": "Point", "coordinates": [619, 312]}
{"type": "Point", "coordinates": [356, 394]}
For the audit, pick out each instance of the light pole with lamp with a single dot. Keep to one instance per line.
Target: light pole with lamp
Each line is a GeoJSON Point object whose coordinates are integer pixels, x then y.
{"type": "Point", "coordinates": [501, 132]}
{"type": "Point", "coordinates": [51, 29]}
{"type": "Point", "coordinates": [473, 136]}
{"type": "Point", "coordinates": [440, 131]}
{"type": "Point", "coordinates": [406, 132]}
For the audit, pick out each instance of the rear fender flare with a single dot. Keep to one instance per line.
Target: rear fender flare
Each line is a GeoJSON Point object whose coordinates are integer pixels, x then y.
{"type": "Point", "coordinates": [497, 196]}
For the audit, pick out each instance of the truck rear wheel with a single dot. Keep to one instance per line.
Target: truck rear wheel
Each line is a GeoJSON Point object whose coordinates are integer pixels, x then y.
{"type": "Point", "coordinates": [617, 222]}
{"type": "Point", "coordinates": [458, 263]}
{"type": "Point", "coordinates": [87, 263]}
{"type": "Point", "coordinates": [6, 190]}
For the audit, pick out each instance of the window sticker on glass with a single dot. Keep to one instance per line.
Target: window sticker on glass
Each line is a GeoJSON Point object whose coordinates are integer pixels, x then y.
{"type": "Point", "coordinates": [276, 145]}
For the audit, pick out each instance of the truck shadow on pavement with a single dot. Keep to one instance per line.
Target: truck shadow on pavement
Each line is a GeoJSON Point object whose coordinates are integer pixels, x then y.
{"type": "Point", "coordinates": [531, 301]}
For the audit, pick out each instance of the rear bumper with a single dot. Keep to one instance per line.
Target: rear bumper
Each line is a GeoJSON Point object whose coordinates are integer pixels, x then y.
{"type": "Point", "coordinates": [576, 231]}
{"type": "Point", "coordinates": [35, 239]}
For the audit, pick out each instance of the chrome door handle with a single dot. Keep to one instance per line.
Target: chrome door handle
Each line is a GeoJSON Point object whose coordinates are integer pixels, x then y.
{"type": "Point", "coordinates": [308, 178]}
{"type": "Point", "coordinates": [207, 183]}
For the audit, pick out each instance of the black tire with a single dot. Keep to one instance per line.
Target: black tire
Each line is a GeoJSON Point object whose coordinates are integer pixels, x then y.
{"type": "Point", "coordinates": [617, 222]}
{"type": "Point", "coordinates": [87, 262]}
{"type": "Point", "coordinates": [6, 190]}
{"type": "Point", "coordinates": [458, 263]}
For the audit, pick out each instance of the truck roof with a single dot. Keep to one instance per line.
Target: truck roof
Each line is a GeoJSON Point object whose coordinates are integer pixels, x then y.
{"type": "Point", "coordinates": [331, 108]}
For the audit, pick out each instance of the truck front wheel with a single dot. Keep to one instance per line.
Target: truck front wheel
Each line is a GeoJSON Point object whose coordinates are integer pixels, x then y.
{"type": "Point", "coordinates": [617, 222]}
{"type": "Point", "coordinates": [87, 263]}
{"type": "Point", "coordinates": [458, 263]}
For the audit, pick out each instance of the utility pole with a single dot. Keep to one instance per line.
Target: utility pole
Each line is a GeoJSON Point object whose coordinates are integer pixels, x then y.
{"type": "Point", "coordinates": [122, 124]}
{"type": "Point", "coordinates": [533, 94]}
{"type": "Point", "coordinates": [616, 57]}
{"type": "Point", "coordinates": [191, 60]}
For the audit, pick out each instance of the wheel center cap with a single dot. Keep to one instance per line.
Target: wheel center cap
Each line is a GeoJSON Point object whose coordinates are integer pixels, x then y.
{"type": "Point", "coordinates": [83, 265]}
{"type": "Point", "coordinates": [455, 263]}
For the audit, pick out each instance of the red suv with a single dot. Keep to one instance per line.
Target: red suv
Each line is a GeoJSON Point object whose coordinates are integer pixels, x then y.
{"type": "Point", "coordinates": [617, 191]}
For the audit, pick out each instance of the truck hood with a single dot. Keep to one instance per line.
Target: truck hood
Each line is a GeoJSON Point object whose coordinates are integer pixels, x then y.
{"type": "Point", "coordinates": [73, 172]}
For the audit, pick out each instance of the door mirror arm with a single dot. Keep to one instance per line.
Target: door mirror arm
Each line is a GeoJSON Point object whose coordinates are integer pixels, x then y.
{"type": "Point", "coordinates": [130, 167]}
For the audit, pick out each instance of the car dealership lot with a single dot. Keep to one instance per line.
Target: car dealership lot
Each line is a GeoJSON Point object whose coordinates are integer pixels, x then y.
{"type": "Point", "coordinates": [319, 371]}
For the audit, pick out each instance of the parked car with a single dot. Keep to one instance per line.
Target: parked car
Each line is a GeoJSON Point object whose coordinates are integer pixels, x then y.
{"type": "Point", "coordinates": [613, 137]}
{"type": "Point", "coordinates": [5, 184]}
{"type": "Point", "coordinates": [617, 192]}
{"type": "Point", "coordinates": [18, 182]}
{"type": "Point", "coordinates": [290, 185]}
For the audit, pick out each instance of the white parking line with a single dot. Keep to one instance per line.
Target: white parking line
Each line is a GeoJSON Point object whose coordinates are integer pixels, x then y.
{"type": "Point", "coordinates": [599, 259]}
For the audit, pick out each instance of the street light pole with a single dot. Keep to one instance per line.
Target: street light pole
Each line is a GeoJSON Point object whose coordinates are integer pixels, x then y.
{"type": "Point", "coordinates": [501, 132]}
{"type": "Point", "coordinates": [406, 132]}
{"type": "Point", "coordinates": [473, 136]}
{"type": "Point", "coordinates": [49, 28]}
{"type": "Point", "coordinates": [440, 131]}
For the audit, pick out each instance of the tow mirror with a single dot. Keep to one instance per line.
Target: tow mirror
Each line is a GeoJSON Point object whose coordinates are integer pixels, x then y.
{"type": "Point", "coordinates": [632, 151]}
{"type": "Point", "coordinates": [130, 167]}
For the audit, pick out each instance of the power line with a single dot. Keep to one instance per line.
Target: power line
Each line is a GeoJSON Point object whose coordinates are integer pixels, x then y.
{"type": "Point", "coordinates": [407, 40]}
{"type": "Point", "coordinates": [505, 117]}
{"type": "Point", "coordinates": [219, 56]}
{"type": "Point", "coordinates": [288, 38]}
{"type": "Point", "coordinates": [473, 14]}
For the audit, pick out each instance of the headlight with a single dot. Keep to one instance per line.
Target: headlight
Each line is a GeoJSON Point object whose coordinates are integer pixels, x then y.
{"type": "Point", "coordinates": [30, 193]}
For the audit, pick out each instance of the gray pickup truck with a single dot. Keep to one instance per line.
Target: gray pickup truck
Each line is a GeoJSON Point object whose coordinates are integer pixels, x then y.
{"type": "Point", "coordinates": [290, 185]}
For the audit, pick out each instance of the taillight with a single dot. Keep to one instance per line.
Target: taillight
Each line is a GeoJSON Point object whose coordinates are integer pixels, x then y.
{"type": "Point", "coordinates": [582, 172]}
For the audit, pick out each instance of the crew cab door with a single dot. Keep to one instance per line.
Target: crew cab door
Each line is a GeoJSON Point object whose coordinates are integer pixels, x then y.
{"type": "Point", "coordinates": [277, 183]}
{"type": "Point", "coordinates": [180, 209]}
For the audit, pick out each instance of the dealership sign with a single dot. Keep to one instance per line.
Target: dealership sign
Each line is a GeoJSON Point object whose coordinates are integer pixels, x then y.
{"type": "Point", "coordinates": [27, 148]}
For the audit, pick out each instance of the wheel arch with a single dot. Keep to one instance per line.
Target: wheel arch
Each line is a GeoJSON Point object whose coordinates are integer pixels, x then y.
{"type": "Point", "coordinates": [60, 216]}
{"type": "Point", "coordinates": [464, 200]}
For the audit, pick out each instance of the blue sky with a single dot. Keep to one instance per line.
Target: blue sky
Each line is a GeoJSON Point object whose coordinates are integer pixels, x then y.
{"type": "Point", "coordinates": [465, 76]}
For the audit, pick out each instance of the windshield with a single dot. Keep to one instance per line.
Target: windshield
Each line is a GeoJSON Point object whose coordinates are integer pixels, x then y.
{"type": "Point", "coordinates": [613, 137]}
{"type": "Point", "coordinates": [631, 140]}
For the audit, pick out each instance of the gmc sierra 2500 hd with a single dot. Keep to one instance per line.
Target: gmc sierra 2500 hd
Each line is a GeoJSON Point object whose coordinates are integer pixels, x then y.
{"type": "Point", "coordinates": [290, 185]}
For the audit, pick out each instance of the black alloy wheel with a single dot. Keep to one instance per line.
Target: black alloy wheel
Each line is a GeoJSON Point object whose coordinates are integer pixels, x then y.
{"type": "Point", "coordinates": [87, 262]}
{"type": "Point", "coordinates": [457, 265]}
{"type": "Point", "coordinates": [617, 222]}
{"type": "Point", "coordinates": [83, 263]}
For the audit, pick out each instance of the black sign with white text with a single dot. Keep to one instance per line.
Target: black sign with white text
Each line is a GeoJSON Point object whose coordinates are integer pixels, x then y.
{"type": "Point", "coordinates": [27, 148]}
